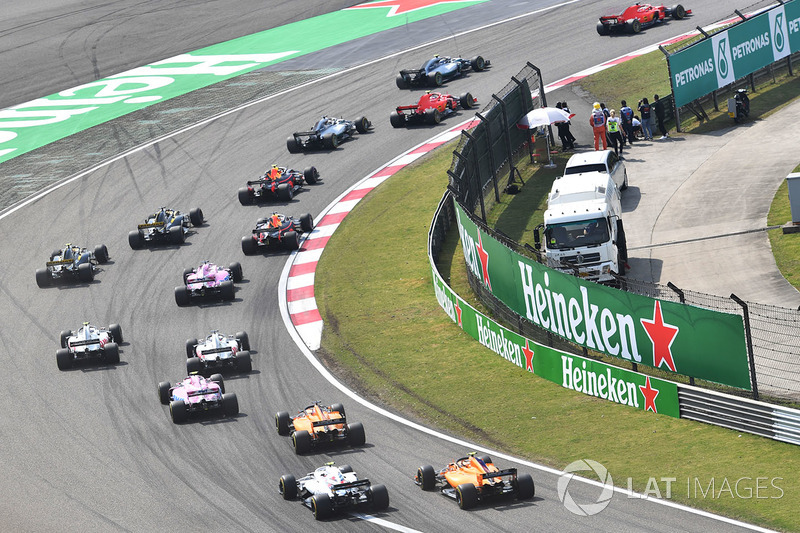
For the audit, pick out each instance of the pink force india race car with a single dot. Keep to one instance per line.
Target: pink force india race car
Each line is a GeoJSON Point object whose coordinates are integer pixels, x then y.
{"type": "Point", "coordinates": [208, 280]}
{"type": "Point", "coordinates": [89, 342]}
{"type": "Point", "coordinates": [218, 353]}
{"type": "Point", "coordinates": [196, 394]}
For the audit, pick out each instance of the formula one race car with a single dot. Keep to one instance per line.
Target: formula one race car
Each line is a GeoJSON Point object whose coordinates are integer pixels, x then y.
{"type": "Point", "coordinates": [277, 182]}
{"type": "Point", "coordinates": [638, 17]}
{"type": "Point", "coordinates": [208, 280]}
{"type": "Point", "coordinates": [218, 352]}
{"type": "Point", "coordinates": [437, 70]}
{"type": "Point", "coordinates": [431, 109]}
{"type": "Point", "coordinates": [196, 394]}
{"type": "Point", "coordinates": [327, 133]}
{"type": "Point", "coordinates": [277, 230]}
{"type": "Point", "coordinates": [165, 226]}
{"type": "Point", "coordinates": [71, 262]}
{"type": "Point", "coordinates": [329, 489]}
{"type": "Point", "coordinates": [87, 343]}
{"type": "Point", "coordinates": [317, 424]}
{"type": "Point", "coordinates": [475, 478]}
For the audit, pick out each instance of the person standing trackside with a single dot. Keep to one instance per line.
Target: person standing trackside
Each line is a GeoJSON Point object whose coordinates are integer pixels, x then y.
{"type": "Point", "coordinates": [658, 109]}
{"type": "Point", "coordinates": [598, 122]}
{"type": "Point", "coordinates": [614, 134]}
{"type": "Point", "coordinates": [563, 133]}
{"type": "Point", "coordinates": [566, 110]}
{"type": "Point", "coordinates": [626, 115]}
{"type": "Point", "coordinates": [644, 110]}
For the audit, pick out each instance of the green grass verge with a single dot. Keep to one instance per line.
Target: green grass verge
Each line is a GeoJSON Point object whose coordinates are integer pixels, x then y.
{"type": "Point", "coordinates": [785, 247]}
{"type": "Point", "coordinates": [387, 337]}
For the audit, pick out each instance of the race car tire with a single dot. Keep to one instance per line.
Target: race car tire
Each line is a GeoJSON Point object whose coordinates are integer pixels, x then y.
{"type": "Point", "coordinates": [435, 78]}
{"type": "Point", "coordinates": [345, 469]}
{"type": "Point", "coordinates": [244, 340]}
{"type": "Point", "coordinates": [285, 192]}
{"type": "Point", "coordinates": [194, 364]}
{"type": "Point", "coordinates": [196, 216]}
{"type": "Point", "coordinates": [217, 378]}
{"type": "Point", "coordinates": [249, 246]}
{"type": "Point", "coordinates": [466, 496]}
{"type": "Point", "coordinates": [178, 411]}
{"type": "Point", "coordinates": [426, 477]}
{"type": "Point", "coordinates": [397, 120]}
{"type": "Point", "coordinates": [282, 423]}
{"type": "Point", "coordinates": [307, 223]}
{"type": "Point", "coordinates": [163, 392]}
{"type": "Point", "coordinates": [288, 487]}
{"type": "Point", "coordinates": [191, 344]}
{"type": "Point", "coordinates": [301, 440]}
{"type": "Point", "coordinates": [101, 253]}
{"type": "Point", "coordinates": [339, 408]}
{"type": "Point", "coordinates": [260, 221]}
{"type": "Point", "coordinates": [85, 272]}
{"type": "Point", "coordinates": [362, 125]}
{"type": "Point", "coordinates": [116, 333]}
{"type": "Point", "coordinates": [291, 240]}
{"type": "Point", "coordinates": [176, 235]}
{"type": "Point", "coordinates": [678, 12]}
{"type": "Point", "coordinates": [402, 81]}
{"type": "Point", "coordinates": [111, 353]}
{"type": "Point", "coordinates": [633, 26]}
{"type": "Point", "coordinates": [236, 271]}
{"type": "Point", "coordinates": [227, 290]}
{"type": "Point", "coordinates": [181, 296]}
{"type": "Point", "coordinates": [355, 434]}
{"type": "Point", "coordinates": [43, 277]}
{"type": "Point", "coordinates": [186, 273]}
{"type": "Point", "coordinates": [524, 487]}
{"type": "Point", "coordinates": [65, 335]}
{"type": "Point", "coordinates": [244, 363]}
{"type": "Point", "coordinates": [135, 239]}
{"type": "Point", "coordinates": [478, 63]}
{"type": "Point", "coordinates": [602, 29]}
{"type": "Point", "coordinates": [433, 116]}
{"type": "Point", "coordinates": [330, 141]}
{"type": "Point", "coordinates": [467, 101]}
{"type": "Point", "coordinates": [379, 497]}
{"type": "Point", "coordinates": [64, 359]}
{"type": "Point", "coordinates": [245, 198]}
{"type": "Point", "coordinates": [230, 404]}
{"type": "Point", "coordinates": [311, 175]}
{"type": "Point", "coordinates": [55, 253]}
{"type": "Point", "coordinates": [322, 506]}
{"type": "Point", "coordinates": [292, 145]}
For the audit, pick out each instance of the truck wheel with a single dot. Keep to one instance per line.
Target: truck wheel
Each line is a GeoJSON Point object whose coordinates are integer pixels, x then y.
{"type": "Point", "coordinates": [43, 277]}
{"type": "Point", "coordinates": [379, 497]}
{"type": "Point", "coordinates": [163, 392]}
{"type": "Point", "coordinates": [178, 411]}
{"type": "Point", "coordinates": [285, 192]}
{"type": "Point", "coordinates": [426, 477]}
{"type": "Point", "coordinates": [288, 487]}
{"type": "Point", "coordinates": [135, 239]}
{"type": "Point", "coordinates": [282, 423]}
{"type": "Point", "coordinates": [301, 441]}
{"type": "Point", "coordinates": [64, 359]}
{"type": "Point", "coordinates": [466, 496]}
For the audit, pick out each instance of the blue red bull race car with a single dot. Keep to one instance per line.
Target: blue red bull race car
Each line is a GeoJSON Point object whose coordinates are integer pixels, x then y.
{"type": "Point", "coordinates": [277, 183]}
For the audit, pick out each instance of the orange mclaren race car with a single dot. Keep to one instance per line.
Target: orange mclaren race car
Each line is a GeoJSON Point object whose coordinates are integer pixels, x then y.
{"type": "Point", "coordinates": [475, 478]}
{"type": "Point", "coordinates": [318, 424]}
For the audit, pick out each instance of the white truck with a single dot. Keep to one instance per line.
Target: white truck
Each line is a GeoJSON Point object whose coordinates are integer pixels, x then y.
{"type": "Point", "coordinates": [583, 230]}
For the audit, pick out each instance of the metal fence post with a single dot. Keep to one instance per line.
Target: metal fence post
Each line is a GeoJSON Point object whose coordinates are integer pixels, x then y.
{"type": "Point", "coordinates": [682, 299]}
{"type": "Point", "coordinates": [749, 338]}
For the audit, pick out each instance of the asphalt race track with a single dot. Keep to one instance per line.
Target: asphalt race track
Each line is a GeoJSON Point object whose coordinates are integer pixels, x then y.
{"type": "Point", "coordinates": [92, 449]}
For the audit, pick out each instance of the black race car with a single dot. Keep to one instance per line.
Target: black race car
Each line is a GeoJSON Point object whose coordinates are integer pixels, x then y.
{"type": "Point", "coordinates": [328, 133]}
{"type": "Point", "coordinates": [437, 70]}
{"type": "Point", "coordinates": [165, 226]}
{"type": "Point", "coordinates": [277, 182]}
{"type": "Point", "coordinates": [277, 230]}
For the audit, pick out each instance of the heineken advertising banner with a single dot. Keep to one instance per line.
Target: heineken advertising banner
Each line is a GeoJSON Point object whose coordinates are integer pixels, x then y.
{"type": "Point", "coordinates": [729, 55]}
{"type": "Point", "coordinates": [671, 336]}
{"type": "Point", "coordinates": [570, 371]}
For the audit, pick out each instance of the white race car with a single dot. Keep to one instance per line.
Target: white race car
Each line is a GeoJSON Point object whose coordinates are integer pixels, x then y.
{"type": "Point", "coordinates": [219, 352]}
{"type": "Point", "coordinates": [89, 342]}
{"type": "Point", "coordinates": [329, 489]}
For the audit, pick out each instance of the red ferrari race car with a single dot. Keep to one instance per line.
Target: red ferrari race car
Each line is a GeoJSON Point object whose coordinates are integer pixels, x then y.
{"type": "Point", "coordinates": [430, 109]}
{"type": "Point", "coordinates": [277, 183]}
{"type": "Point", "coordinates": [637, 17]}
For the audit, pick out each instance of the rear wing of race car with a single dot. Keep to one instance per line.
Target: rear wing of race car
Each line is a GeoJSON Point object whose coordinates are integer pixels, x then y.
{"type": "Point", "coordinates": [402, 108]}
{"type": "Point", "coordinates": [413, 72]}
{"type": "Point", "coordinates": [500, 473]}
{"type": "Point", "coordinates": [74, 344]}
{"type": "Point", "coordinates": [333, 422]}
{"type": "Point", "coordinates": [151, 225]}
{"type": "Point", "coordinates": [59, 262]}
{"type": "Point", "coordinates": [201, 280]}
{"type": "Point", "coordinates": [351, 485]}
{"type": "Point", "coordinates": [299, 134]}
{"type": "Point", "coordinates": [216, 350]}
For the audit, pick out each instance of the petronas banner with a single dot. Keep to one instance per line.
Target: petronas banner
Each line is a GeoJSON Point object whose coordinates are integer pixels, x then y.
{"type": "Point", "coordinates": [732, 54]}
{"type": "Point", "coordinates": [667, 335]}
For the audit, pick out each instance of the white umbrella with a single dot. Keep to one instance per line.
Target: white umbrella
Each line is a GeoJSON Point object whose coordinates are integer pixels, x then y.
{"type": "Point", "coordinates": [544, 116]}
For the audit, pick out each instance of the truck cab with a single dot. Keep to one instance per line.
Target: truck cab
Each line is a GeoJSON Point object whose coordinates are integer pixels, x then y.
{"type": "Point", "coordinates": [583, 230]}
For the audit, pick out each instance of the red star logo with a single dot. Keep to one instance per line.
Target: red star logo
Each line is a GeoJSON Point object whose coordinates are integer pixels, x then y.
{"type": "Point", "coordinates": [398, 7]}
{"type": "Point", "coordinates": [661, 335]}
{"type": "Point", "coordinates": [484, 257]}
{"type": "Point", "coordinates": [458, 312]}
{"type": "Point", "coordinates": [528, 357]}
{"type": "Point", "coordinates": [649, 396]}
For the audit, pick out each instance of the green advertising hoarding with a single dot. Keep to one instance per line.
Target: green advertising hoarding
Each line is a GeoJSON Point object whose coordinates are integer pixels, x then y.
{"type": "Point", "coordinates": [570, 371]}
{"type": "Point", "coordinates": [678, 338]}
{"type": "Point", "coordinates": [732, 54]}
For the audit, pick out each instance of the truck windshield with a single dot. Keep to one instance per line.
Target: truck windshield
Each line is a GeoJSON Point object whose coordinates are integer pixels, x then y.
{"type": "Point", "coordinates": [575, 234]}
{"type": "Point", "coordinates": [578, 169]}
